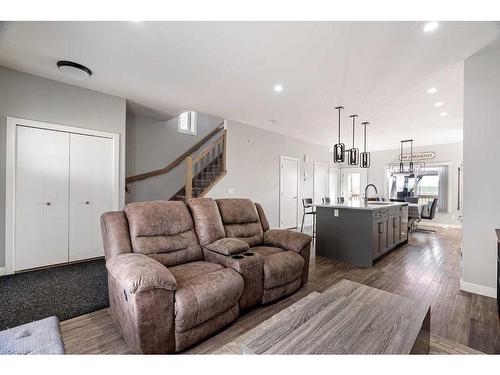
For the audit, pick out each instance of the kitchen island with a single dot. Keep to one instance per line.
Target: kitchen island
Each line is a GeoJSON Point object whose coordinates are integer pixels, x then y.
{"type": "Point", "coordinates": [360, 233]}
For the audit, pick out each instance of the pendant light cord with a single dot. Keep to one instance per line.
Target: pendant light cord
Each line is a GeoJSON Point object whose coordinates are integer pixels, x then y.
{"type": "Point", "coordinates": [339, 125]}
{"type": "Point", "coordinates": [353, 119]}
{"type": "Point", "coordinates": [365, 137]}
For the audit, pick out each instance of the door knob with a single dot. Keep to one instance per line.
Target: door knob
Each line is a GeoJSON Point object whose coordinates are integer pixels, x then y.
{"type": "Point", "coordinates": [48, 203]}
{"type": "Point", "coordinates": [87, 202]}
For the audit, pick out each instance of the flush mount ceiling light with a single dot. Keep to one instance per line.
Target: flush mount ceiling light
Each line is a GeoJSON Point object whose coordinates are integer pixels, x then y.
{"type": "Point", "coordinates": [278, 88]}
{"type": "Point", "coordinates": [74, 70]}
{"type": "Point", "coordinates": [438, 104]}
{"type": "Point", "coordinates": [431, 26]}
{"type": "Point", "coordinates": [432, 90]}
{"type": "Point", "coordinates": [444, 113]}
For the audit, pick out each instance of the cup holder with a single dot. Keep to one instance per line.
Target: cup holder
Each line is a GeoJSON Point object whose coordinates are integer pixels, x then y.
{"type": "Point", "coordinates": [248, 254]}
{"type": "Point", "coordinates": [237, 257]}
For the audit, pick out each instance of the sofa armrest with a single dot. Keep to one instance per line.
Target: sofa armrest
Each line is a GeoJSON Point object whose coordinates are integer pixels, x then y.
{"type": "Point", "coordinates": [228, 246]}
{"type": "Point", "coordinates": [286, 239]}
{"type": "Point", "coordinates": [139, 273]}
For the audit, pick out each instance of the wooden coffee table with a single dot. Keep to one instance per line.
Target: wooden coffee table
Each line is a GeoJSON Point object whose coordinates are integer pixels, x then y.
{"type": "Point", "coordinates": [348, 318]}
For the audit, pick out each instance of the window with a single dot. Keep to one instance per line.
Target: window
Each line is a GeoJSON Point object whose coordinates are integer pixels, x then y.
{"type": "Point", "coordinates": [427, 185]}
{"type": "Point", "coordinates": [186, 123]}
{"type": "Point", "coordinates": [353, 186]}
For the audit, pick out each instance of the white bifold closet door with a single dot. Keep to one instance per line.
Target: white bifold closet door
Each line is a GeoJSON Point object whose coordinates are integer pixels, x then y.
{"type": "Point", "coordinates": [41, 198]}
{"type": "Point", "coordinates": [91, 193]}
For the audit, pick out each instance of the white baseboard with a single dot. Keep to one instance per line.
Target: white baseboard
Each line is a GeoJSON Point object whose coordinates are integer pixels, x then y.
{"type": "Point", "coordinates": [478, 289]}
{"type": "Point", "coordinates": [2, 271]}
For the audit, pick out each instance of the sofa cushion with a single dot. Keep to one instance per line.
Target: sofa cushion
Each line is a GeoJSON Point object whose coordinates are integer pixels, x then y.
{"type": "Point", "coordinates": [237, 211]}
{"type": "Point", "coordinates": [266, 250]}
{"type": "Point", "coordinates": [192, 270]}
{"type": "Point", "coordinates": [228, 246]}
{"type": "Point", "coordinates": [207, 219]}
{"type": "Point", "coordinates": [161, 227]}
{"type": "Point", "coordinates": [204, 297]}
{"type": "Point", "coordinates": [282, 268]}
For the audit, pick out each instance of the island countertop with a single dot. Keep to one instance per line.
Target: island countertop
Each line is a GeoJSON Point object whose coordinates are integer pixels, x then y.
{"type": "Point", "coordinates": [361, 206]}
{"type": "Point", "coordinates": [359, 234]}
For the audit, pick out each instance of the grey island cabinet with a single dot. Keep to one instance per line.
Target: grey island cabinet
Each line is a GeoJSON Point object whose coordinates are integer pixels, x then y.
{"type": "Point", "coordinates": [360, 233]}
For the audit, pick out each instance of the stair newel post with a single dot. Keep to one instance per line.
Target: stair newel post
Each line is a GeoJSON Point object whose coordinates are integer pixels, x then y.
{"type": "Point", "coordinates": [189, 177]}
{"type": "Point", "coordinates": [224, 145]}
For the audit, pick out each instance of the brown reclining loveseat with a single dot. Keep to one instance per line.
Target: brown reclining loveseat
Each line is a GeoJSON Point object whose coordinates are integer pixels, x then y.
{"type": "Point", "coordinates": [167, 292]}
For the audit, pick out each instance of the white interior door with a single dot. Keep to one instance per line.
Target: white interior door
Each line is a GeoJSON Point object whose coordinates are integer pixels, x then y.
{"type": "Point", "coordinates": [334, 184]}
{"type": "Point", "coordinates": [320, 183]}
{"type": "Point", "coordinates": [91, 193]}
{"type": "Point", "coordinates": [41, 198]}
{"type": "Point", "coordinates": [354, 181]}
{"type": "Point", "coordinates": [289, 192]}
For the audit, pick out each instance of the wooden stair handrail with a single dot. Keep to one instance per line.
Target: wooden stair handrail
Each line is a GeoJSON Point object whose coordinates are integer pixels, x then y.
{"type": "Point", "coordinates": [191, 161]}
{"type": "Point", "coordinates": [177, 161]}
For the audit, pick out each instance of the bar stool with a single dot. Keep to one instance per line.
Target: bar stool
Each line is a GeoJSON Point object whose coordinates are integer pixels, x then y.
{"type": "Point", "coordinates": [307, 204]}
{"type": "Point", "coordinates": [326, 200]}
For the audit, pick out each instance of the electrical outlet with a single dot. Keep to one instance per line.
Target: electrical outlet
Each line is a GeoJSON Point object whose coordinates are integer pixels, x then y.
{"type": "Point", "coordinates": [230, 191]}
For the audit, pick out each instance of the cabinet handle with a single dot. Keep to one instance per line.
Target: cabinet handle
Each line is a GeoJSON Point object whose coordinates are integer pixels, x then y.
{"type": "Point", "coordinates": [87, 202]}
{"type": "Point", "coordinates": [380, 229]}
{"type": "Point", "coordinates": [48, 203]}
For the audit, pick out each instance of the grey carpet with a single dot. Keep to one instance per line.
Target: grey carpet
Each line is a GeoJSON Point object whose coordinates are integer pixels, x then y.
{"type": "Point", "coordinates": [65, 291]}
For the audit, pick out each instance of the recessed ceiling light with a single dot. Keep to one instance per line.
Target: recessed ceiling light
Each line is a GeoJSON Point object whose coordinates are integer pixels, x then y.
{"type": "Point", "coordinates": [444, 113]}
{"type": "Point", "coordinates": [74, 70]}
{"type": "Point", "coordinates": [431, 26]}
{"type": "Point", "coordinates": [432, 90]}
{"type": "Point", "coordinates": [278, 88]}
{"type": "Point", "coordinates": [438, 104]}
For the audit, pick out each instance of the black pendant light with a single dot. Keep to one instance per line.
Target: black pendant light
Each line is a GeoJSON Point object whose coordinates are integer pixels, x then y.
{"type": "Point", "coordinates": [339, 148]}
{"type": "Point", "coordinates": [353, 153]}
{"type": "Point", "coordinates": [365, 156]}
{"type": "Point", "coordinates": [409, 167]}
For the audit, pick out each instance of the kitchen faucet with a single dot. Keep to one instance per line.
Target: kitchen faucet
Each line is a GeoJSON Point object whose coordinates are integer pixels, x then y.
{"type": "Point", "coordinates": [366, 189]}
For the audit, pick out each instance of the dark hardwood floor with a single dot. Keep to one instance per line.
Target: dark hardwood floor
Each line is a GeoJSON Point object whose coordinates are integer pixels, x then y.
{"type": "Point", "coordinates": [426, 269]}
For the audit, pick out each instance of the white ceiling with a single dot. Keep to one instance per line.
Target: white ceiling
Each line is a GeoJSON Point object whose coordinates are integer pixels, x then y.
{"type": "Point", "coordinates": [378, 70]}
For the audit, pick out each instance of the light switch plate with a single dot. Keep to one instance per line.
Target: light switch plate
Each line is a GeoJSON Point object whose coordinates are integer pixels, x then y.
{"type": "Point", "coordinates": [230, 191]}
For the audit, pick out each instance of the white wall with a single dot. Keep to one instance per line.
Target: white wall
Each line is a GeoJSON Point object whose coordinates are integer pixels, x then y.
{"type": "Point", "coordinates": [448, 153]}
{"type": "Point", "coordinates": [153, 144]}
{"type": "Point", "coordinates": [481, 171]}
{"type": "Point", "coordinates": [35, 98]}
{"type": "Point", "coordinates": [253, 164]}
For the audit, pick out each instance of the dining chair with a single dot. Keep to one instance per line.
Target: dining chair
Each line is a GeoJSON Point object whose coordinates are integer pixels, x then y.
{"type": "Point", "coordinates": [428, 213]}
{"type": "Point", "coordinates": [307, 205]}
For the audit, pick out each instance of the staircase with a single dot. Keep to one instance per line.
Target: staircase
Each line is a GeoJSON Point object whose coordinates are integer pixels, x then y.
{"type": "Point", "coordinates": [205, 166]}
